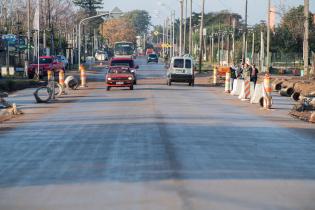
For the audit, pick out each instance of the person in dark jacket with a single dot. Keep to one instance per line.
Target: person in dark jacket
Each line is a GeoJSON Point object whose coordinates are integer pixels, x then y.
{"type": "Point", "coordinates": [253, 74]}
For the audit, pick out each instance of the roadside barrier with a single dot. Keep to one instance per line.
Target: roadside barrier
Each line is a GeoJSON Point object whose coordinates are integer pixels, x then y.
{"type": "Point", "coordinates": [258, 94]}
{"type": "Point", "coordinates": [215, 75]}
{"type": "Point", "coordinates": [227, 82]}
{"type": "Point", "coordinates": [237, 87]}
{"type": "Point", "coordinates": [245, 90]}
{"type": "Point", "coordinates": [83, 76]}
{"type": "Point", "coordinates": [62, 78]}
{"type": "Point", "coordinates": [267, 85]}
{"type": "Point", "coordinates": [231, 84]}
{"type": "Point", "coordinates": [49, 74]}
{"type": "Point", "coordinates": [267, 100]}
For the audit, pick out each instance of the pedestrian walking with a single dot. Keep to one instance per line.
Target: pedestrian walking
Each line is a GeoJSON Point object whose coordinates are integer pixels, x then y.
{"type": "Point", "coordinates": [253, 74]}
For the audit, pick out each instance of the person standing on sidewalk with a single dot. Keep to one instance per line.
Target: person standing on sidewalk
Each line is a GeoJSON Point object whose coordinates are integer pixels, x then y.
{"type": "Point", "coordinates": [253, 74]}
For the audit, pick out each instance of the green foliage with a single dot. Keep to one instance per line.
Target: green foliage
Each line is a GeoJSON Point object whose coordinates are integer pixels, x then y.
{"type": "Point", "coordinates": [140, 19]}
{"type": "Point", "coordinates": [90, 6]}
{"type": "Point", "coordinates": [288, 36]}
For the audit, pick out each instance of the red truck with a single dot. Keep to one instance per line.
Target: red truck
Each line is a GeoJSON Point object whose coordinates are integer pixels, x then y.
{"type": "Point", "coordinates": [45, 63]}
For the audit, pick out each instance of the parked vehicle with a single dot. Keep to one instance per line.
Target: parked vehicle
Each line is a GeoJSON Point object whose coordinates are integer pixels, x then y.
{"type": "Point", "coordinates": [45, 63]}
{"type": "Point", "coordinates": [124, 49]}
{"type": "Point", "coordinates": [119, 76]}
{"type": "Point", "coordinates": [101, 55]}
{"type": "Point", "coordinates": [181, 70]}
{"type": "Point", "coordinates": [63, 59]}
{"type": "Point", "coordinates": [149, 51]}
{"type": "Point", "coordinates": [153, 58]}
{"type": "Point", "coordinates": [127, 62]}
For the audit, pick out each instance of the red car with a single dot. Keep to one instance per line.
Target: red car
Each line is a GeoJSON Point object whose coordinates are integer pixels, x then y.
{"type": "Point", "coordinates": [127, 62]}
{"type": "Point", "coordinates": [119, 76]}
{"type": "Point", "coordinates": [45, 63]}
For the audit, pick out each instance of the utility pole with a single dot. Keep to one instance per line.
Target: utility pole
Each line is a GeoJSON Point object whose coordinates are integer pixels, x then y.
{"type": "Point", "coordinates": [306, 37]}
{"type": "Point", "coordinates": [233, 41]}
{"type": "Point", "coordinates": [253, 47]}
{"type": "Point", "coordinates": [201, 35]}
{"type": "Point", "coordinates": [268, 37]}
{"type": "Point", "coordinates": [173, 33]}
{"type": "Point", "coordinates": [28, 31]}
{"type": "Point", "coordinates": [185, 27]}
{"type": "Point", "coordinates": [190, 29]}
{"type": "Point", "coordinates": [181, 27]}
{"type": "Point", "coordinates": [163, 46]}
{"type": "Point", "coordinates": [244, 51]}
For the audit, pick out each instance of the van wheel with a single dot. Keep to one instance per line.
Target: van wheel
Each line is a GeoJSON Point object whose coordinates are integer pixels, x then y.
{"type": "Point", "coordinates": [131, 87]}
{"type": "Point", "coordinates": [190, 84]}
{"type": "Point", "coordinates": [108, 88]}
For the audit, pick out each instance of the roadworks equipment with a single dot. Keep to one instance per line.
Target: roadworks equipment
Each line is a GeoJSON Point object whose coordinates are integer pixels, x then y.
{"type": "Point", "coordinates": [227, 82]}
{"type": "Point", "coordinates": [287, 91]}
{"type": "Point", "coordinates": [258, 94]}
{"type": "Point", "coordinates": [83, 76]}
{"type": "Point", "coordinates": [237, 87]}
{"type": "Point", "coordinates": [215, 75]}
{"type": "Point", "coordinates": [247, 91]}
{"type": "Point", "coordinates": [71, 82]}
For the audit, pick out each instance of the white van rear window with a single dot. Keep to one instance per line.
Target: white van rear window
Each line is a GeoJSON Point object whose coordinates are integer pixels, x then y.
{"type": "Point", "coordinates": [179, 63]}
{"type": "Point", "coordinates": [187, 64]}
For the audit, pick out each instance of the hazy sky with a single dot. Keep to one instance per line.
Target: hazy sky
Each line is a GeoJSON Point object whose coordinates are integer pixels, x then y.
{"type": "Point", "coordinates": [257, 9]}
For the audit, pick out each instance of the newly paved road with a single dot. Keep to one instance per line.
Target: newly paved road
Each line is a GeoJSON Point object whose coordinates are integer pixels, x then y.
{"type": "Point", "coordinates": [156, 148]}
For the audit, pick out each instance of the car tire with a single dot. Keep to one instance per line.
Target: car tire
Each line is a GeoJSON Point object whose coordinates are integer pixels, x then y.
{"type": "Point", "coordinates": [135, 82]}
{"type": "Point", "coordinates": [131, 87]}
{"type": "Point", "coordinates": [108, 88]}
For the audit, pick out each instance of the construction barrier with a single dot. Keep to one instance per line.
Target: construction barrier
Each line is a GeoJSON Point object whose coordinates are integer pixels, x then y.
{"type": "Point", "coordinates": [231, 84]}
{"type": "Point", "coordinates": [227, 82]}
{"type": "Point", "coordinates": [49, 74]}
{"type": "Point", "coordinates": [258, 94]}
{"type": "Point", "coordinates": [215, 75]}
{"type": "Point", "coordinates": [237, 87]}
{"type": "Point", "coordinates": [82, 76]}
{"type": "Point", "coordinates": [62, 78]}
{"type": "Point", "coordinates": [246, 90]}
{"type": "Point", "coordinates": [267, 102]}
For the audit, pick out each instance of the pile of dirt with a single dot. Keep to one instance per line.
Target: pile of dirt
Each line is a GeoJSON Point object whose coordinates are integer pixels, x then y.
{"type": "Point", "coordinates": [304, 110]}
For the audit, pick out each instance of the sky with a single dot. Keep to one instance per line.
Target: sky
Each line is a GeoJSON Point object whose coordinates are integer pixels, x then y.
{"type": "Point", "coordinates": [257, 9]}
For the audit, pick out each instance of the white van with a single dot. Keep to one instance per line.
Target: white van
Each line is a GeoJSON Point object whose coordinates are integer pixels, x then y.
{"type": "Point", "coordinates": [181, 70]}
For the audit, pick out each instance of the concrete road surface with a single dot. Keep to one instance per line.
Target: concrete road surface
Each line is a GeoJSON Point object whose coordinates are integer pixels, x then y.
{"type": "Point", "coordinates": [155, 148]}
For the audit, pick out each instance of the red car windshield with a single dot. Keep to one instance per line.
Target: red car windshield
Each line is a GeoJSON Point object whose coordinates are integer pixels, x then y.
{"type": "Point", "coordinates": [119, 71]}
{"type": "Point", "coordinates": [128, 63]}
{"type": "Point", "coordinates": [45, 60]}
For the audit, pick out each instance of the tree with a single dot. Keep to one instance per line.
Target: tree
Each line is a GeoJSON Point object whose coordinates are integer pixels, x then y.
{"type": "Point", "coordinates": [140, 19]}
{"type": "Point", "coordinates": [89, 5]}
{"type": "Point", "coordinates": [115, 30]}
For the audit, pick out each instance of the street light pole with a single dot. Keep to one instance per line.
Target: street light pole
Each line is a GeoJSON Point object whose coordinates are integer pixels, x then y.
{"type": "Point", "coordinates": [180, 27]}
{"type": "Point", "coordinates": [201, 35]}
{"type": "Point", "coordinates": [306, 37]}
{"type": "Point", "coordinates": [190, 29]}
{"type": "Point", "coordinates": [185, 26]}
{"type": "Point", "coordinates": [268, 36]}
{"type": "Point", "coordinates": [85, 19]}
